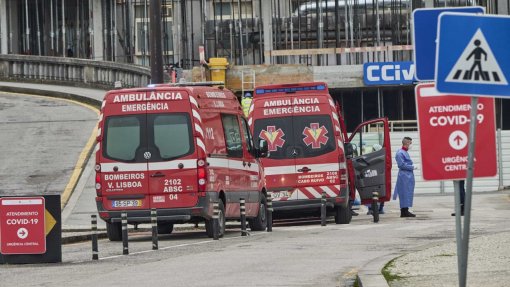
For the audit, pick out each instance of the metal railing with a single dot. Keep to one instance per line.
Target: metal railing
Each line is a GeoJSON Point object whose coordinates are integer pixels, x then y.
{"type": "Point", "coordinates": [72, 71]}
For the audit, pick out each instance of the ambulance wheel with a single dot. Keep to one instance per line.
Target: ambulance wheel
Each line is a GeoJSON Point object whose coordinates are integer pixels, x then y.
{"type": "Point", "coordinates": [343, 214]}
{"type": "Point", "coordinates": [259, 223]}
{"type": "Point", "coordinates": [375, 211]}
{"type": "Point", "coordinates": [165, 228]}
{"type": "Point", "coordinates": [221, 218]}
{"type": "Point", "coordinates": [114, 231]}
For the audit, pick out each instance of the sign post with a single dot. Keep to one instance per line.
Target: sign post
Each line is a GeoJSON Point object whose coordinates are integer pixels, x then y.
{"type": "Point", "coordinates": [447, 125]}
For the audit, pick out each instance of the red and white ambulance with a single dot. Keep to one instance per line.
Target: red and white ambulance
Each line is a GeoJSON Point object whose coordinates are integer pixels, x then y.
{"type": "Point", "coordinates": [306, 136]}
{"type": "Point", "coordinates": [177, 149]}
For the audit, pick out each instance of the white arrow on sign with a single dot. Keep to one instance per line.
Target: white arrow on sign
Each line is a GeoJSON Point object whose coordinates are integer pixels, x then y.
{"type": "Point", "coordinates": [22, 233]}
{"type": "Point", "coordinates": [458, 140]}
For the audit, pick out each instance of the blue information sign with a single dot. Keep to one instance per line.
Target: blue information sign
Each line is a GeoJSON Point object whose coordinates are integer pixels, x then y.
{"type": "Point", "coordinates": [388, 73]}
{"type": "Point", "coordinates": [424, 37]}
{"type": "Point", "coordinates": [472, 55]}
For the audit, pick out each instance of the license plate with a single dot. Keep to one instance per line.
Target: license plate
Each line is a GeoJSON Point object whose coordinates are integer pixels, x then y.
{"type": "Point", "coordinates": [279, 194]}
{"type": "Point", "coordinates": [127, 203]}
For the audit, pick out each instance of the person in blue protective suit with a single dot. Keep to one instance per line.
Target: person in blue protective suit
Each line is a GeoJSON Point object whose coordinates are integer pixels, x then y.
{"type": "Point", "coordinates": [404, 187]}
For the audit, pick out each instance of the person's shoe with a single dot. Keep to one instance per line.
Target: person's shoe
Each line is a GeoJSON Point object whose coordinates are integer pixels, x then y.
{"type": "Point", "coordinates": [461, 213]}
{"type": "Point", "coordinates": [354, 213]}
{"type": "Point", "coordinates": [381, 211]}
{"type": "Point", "coordinates": [409, 214]}
{"type": "Point", "coordinates": [404, 212]}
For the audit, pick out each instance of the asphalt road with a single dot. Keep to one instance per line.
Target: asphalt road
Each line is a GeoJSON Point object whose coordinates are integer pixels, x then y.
{"type": "Point", "coordinates": [42, 140]}
{"type": "Point", "coordinates": [297, 255]}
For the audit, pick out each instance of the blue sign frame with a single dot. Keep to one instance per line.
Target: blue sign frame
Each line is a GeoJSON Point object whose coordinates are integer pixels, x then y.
{"type": "Point", "coordinates": [424, 33]}
{"type": "Point", "coordinates": [388, 73]}
{"type": "Point", "coordinates": [458, 36]}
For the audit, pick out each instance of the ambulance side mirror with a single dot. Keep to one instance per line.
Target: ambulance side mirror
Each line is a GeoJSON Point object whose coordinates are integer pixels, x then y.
{"type": "Point", "coordinates": [349, 150]}
{"type": "Point", "coordinates": [263, 148]}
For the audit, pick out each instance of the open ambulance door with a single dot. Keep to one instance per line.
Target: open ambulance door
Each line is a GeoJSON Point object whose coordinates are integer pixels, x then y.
{"type": "Point", "coordinates": [368, 151]}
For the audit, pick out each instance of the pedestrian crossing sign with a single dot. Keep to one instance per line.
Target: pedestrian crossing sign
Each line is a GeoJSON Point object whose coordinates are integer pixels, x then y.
{"type": "Point", "coordinates": [472, 55]}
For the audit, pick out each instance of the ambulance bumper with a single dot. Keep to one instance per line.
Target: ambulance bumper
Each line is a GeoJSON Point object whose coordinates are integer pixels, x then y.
{"type": "Point", "coordinates": [177, 215]}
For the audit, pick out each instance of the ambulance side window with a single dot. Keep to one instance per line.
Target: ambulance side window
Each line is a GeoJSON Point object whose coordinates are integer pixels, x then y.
{"type": "Point", "coordinates": [247, 135]}
{"type": "Point", "coordinates": [232, 135]}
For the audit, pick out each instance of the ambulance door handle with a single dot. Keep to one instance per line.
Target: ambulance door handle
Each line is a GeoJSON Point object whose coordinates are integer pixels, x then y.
{"type": "Point", "coordinates": [304, 169]}
{"type": "Point", "coordinates": [158, 174]}
{"type": "Point", "coordinates": [244, 163]}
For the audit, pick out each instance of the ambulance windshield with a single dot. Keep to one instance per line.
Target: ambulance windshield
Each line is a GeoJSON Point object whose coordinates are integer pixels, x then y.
{"type": "Point", "coordinates": [297, 136]}
{"type": "Point", "coordinates": [165, 136]}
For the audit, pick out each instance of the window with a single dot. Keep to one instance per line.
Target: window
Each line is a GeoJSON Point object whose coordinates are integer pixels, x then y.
{"type": "Point", "coordinates": [370, 139]}
{"type": "Point", "coordinates": [247, 135]}
{"type": "Point", "coordinates": [172, 135]}
{"type": "Point", "coordinates": [122, 137]}
{"type": "Point", "coordinates": [232, 135]}
{"type": "Point", "coordinates": [297, 137]}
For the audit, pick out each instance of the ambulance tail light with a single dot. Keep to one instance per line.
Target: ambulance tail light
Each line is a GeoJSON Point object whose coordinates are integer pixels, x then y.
{"type": "Point", "coordinates": [201, 175]}
{"type": "Point", "coordinates": [98, 179]}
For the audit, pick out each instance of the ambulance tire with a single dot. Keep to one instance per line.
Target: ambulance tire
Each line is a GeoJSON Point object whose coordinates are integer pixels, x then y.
{"type": "Point", "coordinates": [343, 214]}
{"type": "Point", "coordinates": [165, 228]}
{"type": "Point", "coordinates": [114, 231]}
{"type": "Point", "coordinates": [209, 222]}
{"type": "Point", "coordinates": [259, 223]}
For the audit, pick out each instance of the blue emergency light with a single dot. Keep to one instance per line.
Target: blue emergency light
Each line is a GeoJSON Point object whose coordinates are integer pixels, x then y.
{"type": "Point", "coordinates": [263, 91]}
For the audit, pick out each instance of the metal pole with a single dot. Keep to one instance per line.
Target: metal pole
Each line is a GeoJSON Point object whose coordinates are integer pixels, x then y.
{"type": "Point", "coordinates": [27, 29]}
{"type": "Point", "coordinates": [38, 28]}
{"type": "Point", "coordinates": [63, 31]}
{"type": "Point", "coordinates": [95, 252]}
{"type": "Point", "coordinates": [500, 160]}
{"type": "Point", "coordinates": [269, 212]}
{"type": "Point", "coordinates": [375, 206]}
{"type": "Point", "coordinates": [114, 31]}
{"type": "Point", "coordinates": [458, 226]}
{"type": "Point", "coordinates": [216, 227]}
{"type": "Point", "coordinates": [469, 189]}
{"type": "Point", "coordinates": [242, 208]}
{"type": "Point", "coordinates": [125, 249]}
{"type": "Point", "coordinates": [154, 222]}
{"type": "Point", "coordinates": [323, 209]}
{"type": "Point", "coordinates": [156, 54]}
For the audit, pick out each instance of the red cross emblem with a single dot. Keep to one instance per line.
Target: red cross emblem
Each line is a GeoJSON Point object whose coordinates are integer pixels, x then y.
{"type": "Point", "coordinates": [273, 137]}
{"type": "Point", "coordinates": [315, 136]}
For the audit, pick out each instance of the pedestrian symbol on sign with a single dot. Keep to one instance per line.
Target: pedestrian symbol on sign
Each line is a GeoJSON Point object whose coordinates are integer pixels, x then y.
{"type": "Point", "coordinates": [477, 64]}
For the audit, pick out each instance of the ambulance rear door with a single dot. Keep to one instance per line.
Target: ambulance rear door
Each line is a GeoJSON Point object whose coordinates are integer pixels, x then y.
{"type": "Point", "coordinates": [172, 130]}
{"type": "Point", "coordinates": [315, 150]}
{"type": "Point", "coordinates": [370, 165]}
{"type": "Point", "coordinates": [122, 163]}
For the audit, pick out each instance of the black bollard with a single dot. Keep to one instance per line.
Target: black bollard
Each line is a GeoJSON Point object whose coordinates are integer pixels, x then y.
{"type": "Point", "coordinates": [323, 209]}
{"type": "Point", "coordinates": [216, 224]}
{"type": "Point", "coordinates": [375, 206]}
{"type": "Point", "coordinates": [269, 213]}
{"type": "Point", "coordinates": [125, 249]}
{"type": "Point", "coordinates": [242, 207]}
{"type": "Point", "coordinates": [154, 222]}
{"type": "Point", "coordinates": [95, 251]}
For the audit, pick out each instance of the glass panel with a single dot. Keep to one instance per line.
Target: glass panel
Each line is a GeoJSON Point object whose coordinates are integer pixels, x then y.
{"type": "Point", "coordinates": [122, 137]}
{"type": "Point", "coordinates": [232, 135]}
{"type": "Point", "coordinates": [313, 135]}
{"type": "Point", "coordinates": [247, 135]}
{"type": "Point", "coordinates": [172, 135]}
{"type": "Point", "coordinates": [278, 134]}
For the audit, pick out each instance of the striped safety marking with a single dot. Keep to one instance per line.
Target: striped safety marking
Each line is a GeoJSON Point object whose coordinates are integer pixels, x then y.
{"type": "Point", "coordinates": [311, 193]}
{"type": "Point", "coordinates": [291, 169]}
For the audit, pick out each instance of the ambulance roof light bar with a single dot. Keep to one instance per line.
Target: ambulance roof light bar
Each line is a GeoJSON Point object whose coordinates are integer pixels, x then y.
{"type": "Point", "coordinates": [188, 84]}
{"type": "Point", "coordinates": [290, 89]}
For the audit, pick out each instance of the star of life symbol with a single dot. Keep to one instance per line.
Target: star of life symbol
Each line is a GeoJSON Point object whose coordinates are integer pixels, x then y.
{"type": "Point", "coordinates": [315, 136]}
{"type": "Point", "coordinates": [477, 64]}
{"type": "Point", "coordinates": [273, 137]}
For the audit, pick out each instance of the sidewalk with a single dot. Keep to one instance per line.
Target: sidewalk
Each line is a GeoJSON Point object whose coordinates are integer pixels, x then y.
{"type": "Point", "coordinates": [436, 264]}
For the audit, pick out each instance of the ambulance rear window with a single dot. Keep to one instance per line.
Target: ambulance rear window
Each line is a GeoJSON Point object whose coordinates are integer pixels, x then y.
{"type": "Point", "coordinates": [172, 135]}
{"type": "Point", "coordinates": [122, 137]}
{"type": "Point", "coordinates": [296, 137]}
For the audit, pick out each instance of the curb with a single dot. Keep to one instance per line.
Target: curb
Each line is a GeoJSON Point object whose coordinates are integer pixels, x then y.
{"type": "Point", "coordinates": [370, 275]}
